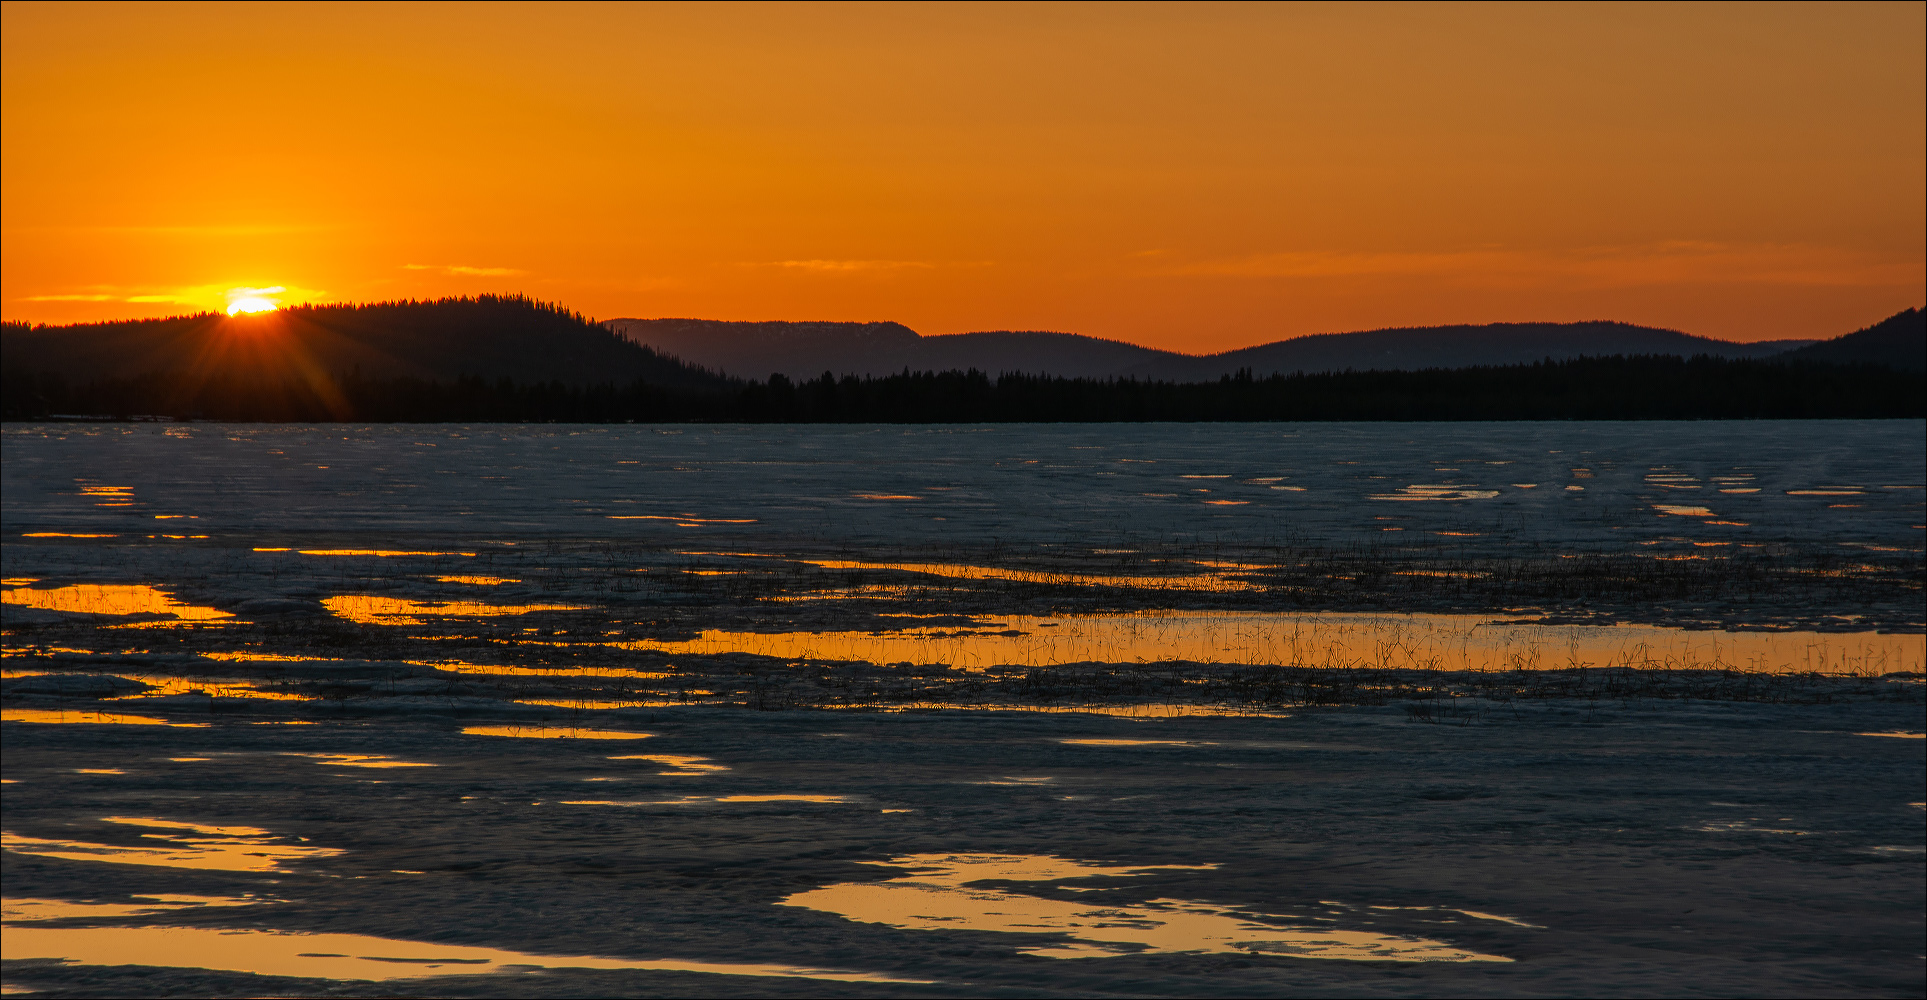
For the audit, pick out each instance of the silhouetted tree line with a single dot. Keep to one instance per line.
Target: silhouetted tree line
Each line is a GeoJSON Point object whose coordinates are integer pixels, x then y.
{"type": "Point", "coordinates": [1612, 388]}
{"type": "Point", "coordinates": [491, 336]}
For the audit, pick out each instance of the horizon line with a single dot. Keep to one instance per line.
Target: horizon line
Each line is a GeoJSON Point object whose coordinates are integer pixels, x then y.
{"type": "Point", "coordinates": [605, 323]}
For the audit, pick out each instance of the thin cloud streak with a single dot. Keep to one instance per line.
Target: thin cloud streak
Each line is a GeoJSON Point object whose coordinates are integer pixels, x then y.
{"type": "Point", "coordinates": [851, 266]}
{"type": "Point", "coordinates": [465, 271]}
{"type": "Point", "coordinates": [209, 297]}
{"type": "Point", "coordinates": [210, 231]}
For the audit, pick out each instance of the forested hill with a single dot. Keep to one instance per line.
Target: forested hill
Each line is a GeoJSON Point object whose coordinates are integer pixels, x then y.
{"type": "Point", "coordinates": [806, 350]}
{"type": "Point", "coordinates": [490, 337]}
{"type": "Point", "coordinates": [1899, 342]}
{"type": "Point", "coordinates": [1463, 346]}
{"type": "Point", "coordinates": [801, 351]}
{"type": "Point", "coordinates": [514, 359]}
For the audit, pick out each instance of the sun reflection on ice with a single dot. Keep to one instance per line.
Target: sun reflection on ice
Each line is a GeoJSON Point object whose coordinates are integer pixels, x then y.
{"type": "Point", "coordinates": [944, 893]}
{"type": "Point", "coordinates": [181, 845]}
{"type": "Point", "coordinates": [109, 599]}
{"type": "Point", "coordinates": [310, 956]}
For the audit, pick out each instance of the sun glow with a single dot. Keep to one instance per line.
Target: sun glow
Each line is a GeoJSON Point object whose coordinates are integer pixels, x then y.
{"type": "Point", "coordinates": [253, 300]}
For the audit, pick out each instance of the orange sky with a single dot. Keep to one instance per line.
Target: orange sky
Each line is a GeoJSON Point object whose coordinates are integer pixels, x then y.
{"type": "Point", "coordinates": [1192, 177]}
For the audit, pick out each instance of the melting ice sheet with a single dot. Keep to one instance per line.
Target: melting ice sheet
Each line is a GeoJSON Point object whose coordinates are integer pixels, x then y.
{"type": "Point", "coordinates": [939, 896]}
{"type": "Point", "coordinates": [179, 845]}
{"type": "Point", "coordinates": [310, 956]}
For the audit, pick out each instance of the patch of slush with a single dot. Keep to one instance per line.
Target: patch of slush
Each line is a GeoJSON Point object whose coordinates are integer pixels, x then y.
{"type": "Point", "coordinates": [183, 845]}
{"type": "Point", "coordinates": [939, 895]}
{"type": "Point", "coordinates": [311, 956]}
{"type": "Point", "coordinates": [1425, 491]}
{"type": "Point", "coordinates": [1474, 914]}
{"type": "Point", "coordinates": [1749, 826]}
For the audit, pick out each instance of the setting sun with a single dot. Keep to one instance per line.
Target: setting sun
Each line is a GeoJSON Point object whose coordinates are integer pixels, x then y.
{"type": "Point", "coordinates": [252, 300]}
{"type": "Point", "coordinates": [1390, 496]}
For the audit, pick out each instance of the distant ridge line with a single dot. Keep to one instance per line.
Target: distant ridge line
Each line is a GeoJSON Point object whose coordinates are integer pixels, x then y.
{"type": "Point", "coordinates": [798, 350]}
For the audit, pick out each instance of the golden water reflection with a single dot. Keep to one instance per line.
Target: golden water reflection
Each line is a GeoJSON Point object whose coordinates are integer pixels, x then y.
{"type": "Point", "coordinates": [319, 956]}
{"type": "Point", "coordinates": [73, 717]}
{"type": "Point", "coordinates": [553, 733]}
{"type": "Point", "coordinates": [366, 610]}
{"type": "Point", "coordinates": [1209, 582]}
{"type": "Point", "coordinates": [358, 760]}
{"type": "Point", "coordinates": [1325, 640]}
{"type": "Point", "coordinates": [939, 895]}
{"type": "Point", "coordinates": [26, 908]}
{"type": "Point", "coordinates": [601, 704]}
{"type": "Point", "coordinates": [109, 599]}
{"type": "Point", "coordinates": [684, 765]}
{"type": "Point", "coordinates": [491, 670]}
{"type": "Point", "coordinates": [185, 845]}
{"type": "Point", "coordinates": [167, 687]}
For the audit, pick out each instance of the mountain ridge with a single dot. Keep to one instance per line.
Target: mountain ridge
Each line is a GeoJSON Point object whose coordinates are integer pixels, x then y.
{"type": "Point", "coordinates": [802, 350]}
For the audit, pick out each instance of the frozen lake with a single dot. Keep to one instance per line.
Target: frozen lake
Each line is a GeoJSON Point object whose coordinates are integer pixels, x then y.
{"type": "Point", "coordinates": [1390, 710]}
{"type": "Point", "coordinates": [1568, 850]}
{"type": "Point", "coordinates": [1478, 486]}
